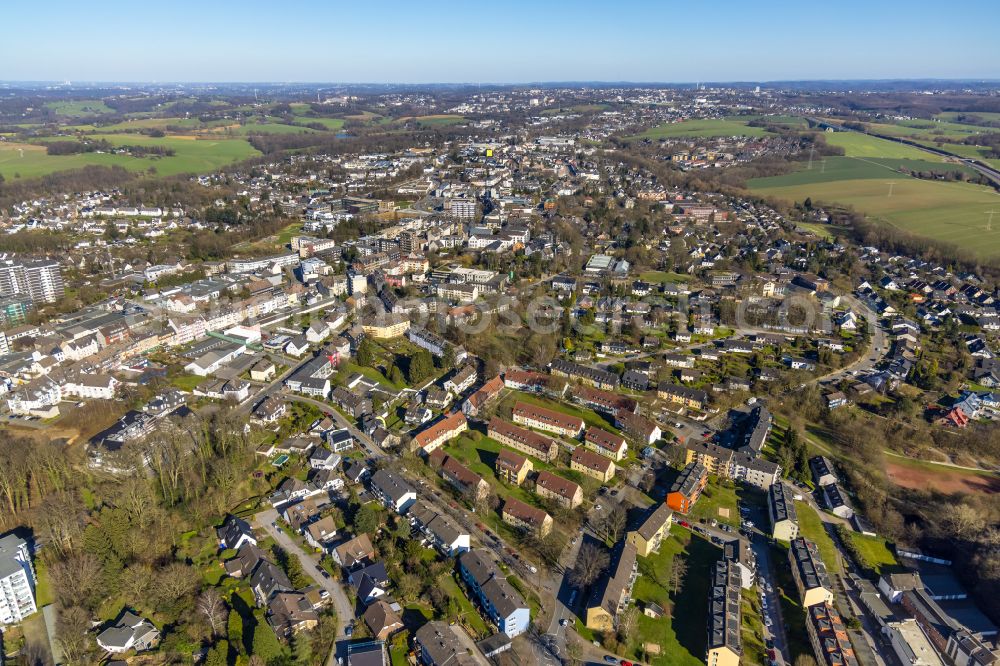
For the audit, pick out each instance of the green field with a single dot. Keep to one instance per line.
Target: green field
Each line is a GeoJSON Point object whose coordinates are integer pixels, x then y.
{"type": "Point", "coordinates": [989, 116]}
{"type": "Point", "coordinates": [873, 552]}
{"type": "Point", "coordinates": [832, 169]}
{"type": "Point", "coordinates": [79, 108]}
{"type": "Point", "coordinates": [440, 120]}
{"type": "Point", "coordinates": [192, 156]}
{"type": "Point", "coordinates": [953, 212]}
{"type": "Point", "coordinates": [868, 180]}
{"type": "Point", "coordinates": [680, 635]}
{"type": "Point", "coordinates": [703, 128]}
{"type": "Point", "coordinates": [856, 144]}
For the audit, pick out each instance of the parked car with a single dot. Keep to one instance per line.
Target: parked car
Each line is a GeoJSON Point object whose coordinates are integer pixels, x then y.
{"type": "Point", "coordinates": [610, 659]}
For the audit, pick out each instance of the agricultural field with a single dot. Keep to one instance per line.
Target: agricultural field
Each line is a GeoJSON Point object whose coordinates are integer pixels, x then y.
{"type": "Point", "coordinates": [867, 179]}
{"type": "Point", "coordinates": [440, 120]}
{"type": "Point", "coordinates": [856, 144]}
{"type": "Point", "coordinates": [79, 108]}
{"type": "Point", "coordinates": [703, 128]}
{"type": "Point", "coordinates": [832, 169]}
{"type": "Point", "coordinates": [956, 213]}
{"type": "Point", "coordinates": [193, 155]}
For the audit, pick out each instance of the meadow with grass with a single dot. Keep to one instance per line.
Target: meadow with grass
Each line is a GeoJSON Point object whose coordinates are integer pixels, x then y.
{"type": "Point", "coordinates": [869, 179]}
{"type": "Point", "coordinates": [191, 155]}
{"type": "Point", "coordinates": [733, 126]}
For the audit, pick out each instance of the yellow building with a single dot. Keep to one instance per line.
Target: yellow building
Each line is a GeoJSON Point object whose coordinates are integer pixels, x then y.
{"type": "Point", "coordinates": [518, 514]}
{"type": "Point", "coordinates": [512, 467]}
{"type": "Point", "coordinates": [387, 326]}
{"type": "Point", "coordinates": [593, 465]}
{"type": "Point", "coordinates": [648, 536]}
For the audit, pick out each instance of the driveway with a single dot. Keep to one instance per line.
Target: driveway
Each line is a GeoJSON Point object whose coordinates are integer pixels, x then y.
{"type": "Point", "coordinates": [264, 520]}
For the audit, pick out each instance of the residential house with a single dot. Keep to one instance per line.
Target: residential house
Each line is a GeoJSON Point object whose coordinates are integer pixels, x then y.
{"type": "Point", "coordinates": [439, 529]}
{"type": "Point", "coordinates": [523, 440]}
{"type": "Point", "coordinates": [648, 535]}
{"type": "Point", "coordinates": [523, 516]}
{"type": "Point", "coordinates": [382, 619]}
{"type": "Point", "coordinates": [234, 532]}
{"type": "Point", "coordinates": [564, 492]}
{"type": "Point", "coordinates": [781, 511]}
{"type": "Point", "coordinates": [592, 464]}
{"type": "Point", "coordinates": [17, 580]}
{"type": "Point", "coordinates": [725, 645]}
{"type": "Point", "coordinates": [484, 396]}
{"type": "Point", "coordinates": [435, 435]}
{"type": "Point", "coordinates": [613, 591]}
{"type": "Point", "coordinates": [392, 490]}
{"type": "Point", "coordinates": [606, 443]}
{"type": "Point", "coordinates": [500, 600]}
{"type": "Point", "coordinates": [512, 467]}
{"type": "Point", "coordinates": [687, 488]}
{"type": "Point", "coordinates": [354, 551]}
{"type": "Point", "coordinates": [541, 418]}
{"type": "Point", "coordinates": [128, 632]}
{"type": "Point", "coordinates": [809, 572]}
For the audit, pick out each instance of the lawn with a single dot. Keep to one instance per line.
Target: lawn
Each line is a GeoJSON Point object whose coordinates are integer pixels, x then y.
{"type": "Point", "coordinates": [792, 613]}
{"type": "Point", "coordinates": [811, 527]}
{"type": "Point", "coordinates": [192, 156]}
{"type": "Point", "coordinates": [680, 632]}
{"type": "Point", "coordinates": [661, 277]}
{"type": "Point", "coordinates": [702, 128]}
{"type": "Point", "coordinates": [186, 382]}
{"type": "Point", "coordinates": [714, 497]}
{"type": "Point", "coordinates": [285, 237]}
{"type": "Point", "coordinates": [873, 552]}
{"type": "Point", "coordinates": [950, 212]}
{"type": "Point", "coordinates": [478, 453]}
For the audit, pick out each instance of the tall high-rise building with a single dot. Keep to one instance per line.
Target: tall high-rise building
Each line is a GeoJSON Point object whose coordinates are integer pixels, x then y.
{"type": "Point", "coordinates": [45, 282]}
{"type": "Point", "coordinates": [17, 580]}
{"type": "Point", "coordinates": [41, 280]}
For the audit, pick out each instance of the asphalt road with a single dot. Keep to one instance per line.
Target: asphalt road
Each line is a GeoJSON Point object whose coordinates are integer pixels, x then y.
{"type": "Point", "coordinates": [264, 520]}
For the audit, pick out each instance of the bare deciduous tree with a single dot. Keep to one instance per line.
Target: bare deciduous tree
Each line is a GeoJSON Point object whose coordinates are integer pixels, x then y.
{"type": "Point", "coordinates": [591, 562]}
{"type": "Point", "coordinates": [211, 606]}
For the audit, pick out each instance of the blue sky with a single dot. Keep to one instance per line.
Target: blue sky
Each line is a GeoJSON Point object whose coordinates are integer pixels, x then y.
{"type": "Point", "coordinates": [500, 42]}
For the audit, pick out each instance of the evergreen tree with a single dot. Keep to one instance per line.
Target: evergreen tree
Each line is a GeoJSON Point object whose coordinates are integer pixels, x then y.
{"type": "Point", "coordinates": [265, 643]}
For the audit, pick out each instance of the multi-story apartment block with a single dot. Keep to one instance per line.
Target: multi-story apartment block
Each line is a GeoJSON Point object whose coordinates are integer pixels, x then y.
{"type": "Point", "coordinates": [523, 440]}
{"type": "Point", "coordinates": [17, 580]}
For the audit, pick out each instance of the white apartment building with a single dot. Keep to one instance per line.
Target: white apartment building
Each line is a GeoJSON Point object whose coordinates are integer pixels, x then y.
{"type": "Point", "coordinates": [17, 580]}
